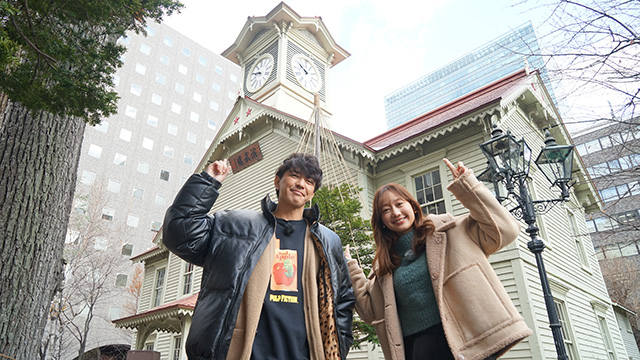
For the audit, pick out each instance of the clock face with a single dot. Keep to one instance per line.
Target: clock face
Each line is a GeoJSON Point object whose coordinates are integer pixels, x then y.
{"type": "Point", "coordinates": [306, 73]}
{"type": "Point", "coordinates": [259, 73]}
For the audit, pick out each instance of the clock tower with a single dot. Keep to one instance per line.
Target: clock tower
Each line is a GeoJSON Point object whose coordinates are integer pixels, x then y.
{"type": "Point", "coordinates": [285, 59]}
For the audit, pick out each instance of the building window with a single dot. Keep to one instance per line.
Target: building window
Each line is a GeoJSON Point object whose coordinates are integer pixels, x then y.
{"type": "Point", "coordinates": [606, 337]}
{"type": "Point", "coordinates": [121, 280]}
{"type": "Point", "coordinates": [214, 105]}
{"type": "Point", "coordinates": [156, 99]}
{"type": "Point", "coordinates": [108, 213]}
{"type": "Point", "coordinates": [168, 151]}
{"type": "Point", "coordinates": [130, 111]}
{"type": "Point", "coordinates": [95, 151]}
{"type": "Point", "coordinates": [164, 175]}
{"type": "Point", "coordinates": [168, 41]}
{"type": "Point", "coordinates": [137, 193]}
{"type": "Point", "coordinates": [143, 167]}
{"type": "Point", "coordinates": [100, 243]}
{"type": "Point", "coordinates": [211, 124]}
{"type": "Point", "coordinates": [161, 79]}
{"type": "Point", "coordinates": [159, 287]}
{"type": "Point", "coordinates": [191, 137]}
{"type": "Point", "coordinates": [114, 312]}
{"type": "Point", "coordinates": [177, 348]}
{"type": "Point", "coordinates": [148, 347]}
{"type": "Point", "coordinates": [160, 200]}
{"type": "Point", "coordinates": [202, 61]}
{"type": "Point", "coordinates": [172, 129]}
{"type": "Point", "coordinates": [187, 278]}
{"type": "Point", "coordinates": [113, 186]}
{"type": "Point", "coordinates": [218, 69]}
{"type": "Point", "coordinates": [102, 127]}
{"type": "Point", "coordinates": [125, 134]}
{"type": "Point", "coordinates": [176, 108]}
{"type": "Point", "coordinates": [186, 51]}
{"type": "Point", "coordinates": [135, 89]}
{"type": "Point", "coordinates": [429, 192]}
{"type": "Point", "coordinates": [194, 116]}
{"type": "Point", "coordinates": [127, 249]}
{"type": "Point", "coordinates": [120, 159]}
{"type": "Point", "coordinates": [179, 88]}
{"type": "Point", "coordinates": [188, 159]}
{"type": "Point", "coordinates": [141, 69]}
{"type": "Point", "coordinates": [197, 97]}
{"type": "Point", "coordinates": [216, 87]}
{"type": "Point", "coordinates": [231, 95]}
{"type": "Point", "coordinates": [575, 233]}
{"type": "Point", "coordinates": [233, 78]}
{"type": "Point", "coordinates": [145, 49]}
{"type": "Point", "coordinates": [87, 178]}
{"type": "Point", "coordinates": [152, 120]}
{"type": "Point", "coordinates": [150, 31]}
{"type": "Point", "coordinates": [133, 220]}
{"type": "Point", "coordinates": [155, 225]}
{"type": "Point", "coordinates": [124, 40]}
{"type": "Point", "coordinates": [182, 69]}
{"type": "Point", "coordinates": [200, 78]}
{"type": "Point", "coordinates": [565, 326]}
{"type": "Point", "coordinates": [164, 59]}
{"type": "Point", "coordinates": [147, 143]}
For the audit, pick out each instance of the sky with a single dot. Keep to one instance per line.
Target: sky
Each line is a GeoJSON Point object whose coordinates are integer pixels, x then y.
{"type": "Point", "coordinates": [392, 43]}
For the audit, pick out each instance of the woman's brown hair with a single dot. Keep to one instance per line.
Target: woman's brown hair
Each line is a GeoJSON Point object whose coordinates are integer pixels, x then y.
{"type": "Point", "coordinates": [386, 256]}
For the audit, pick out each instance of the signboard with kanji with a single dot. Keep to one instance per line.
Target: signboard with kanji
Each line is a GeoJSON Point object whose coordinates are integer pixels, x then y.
{"type": "Point", "coordinates": [245, 157]}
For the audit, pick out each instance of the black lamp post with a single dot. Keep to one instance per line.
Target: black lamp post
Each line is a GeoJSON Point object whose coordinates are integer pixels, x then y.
{"type": "Point", "coordinates": [509, 161]}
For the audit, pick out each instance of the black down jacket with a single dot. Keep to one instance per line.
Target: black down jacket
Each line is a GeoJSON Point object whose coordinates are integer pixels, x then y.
{"type": "Point", "coordinates": [228, 245]}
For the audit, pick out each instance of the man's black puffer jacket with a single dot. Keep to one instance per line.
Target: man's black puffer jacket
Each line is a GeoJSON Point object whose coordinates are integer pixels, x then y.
{"type": "Point", "coordinates": [228, 245]}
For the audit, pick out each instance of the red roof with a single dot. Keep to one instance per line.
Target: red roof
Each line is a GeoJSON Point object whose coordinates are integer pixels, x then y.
{"type": "Point", "coordinates": [449, 112]}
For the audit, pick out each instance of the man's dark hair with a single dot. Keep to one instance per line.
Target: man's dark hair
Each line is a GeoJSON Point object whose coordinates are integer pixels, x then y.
{"type": "Point", "coordinates": [304, 164]}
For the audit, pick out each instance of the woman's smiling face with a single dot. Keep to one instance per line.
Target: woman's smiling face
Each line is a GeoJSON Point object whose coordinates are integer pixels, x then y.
{"type": "Point", "coordinates": [396, 213]}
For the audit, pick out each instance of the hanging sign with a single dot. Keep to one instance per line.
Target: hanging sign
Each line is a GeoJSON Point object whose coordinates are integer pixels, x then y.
{"type": "Point", "coordinates": [245, 157]}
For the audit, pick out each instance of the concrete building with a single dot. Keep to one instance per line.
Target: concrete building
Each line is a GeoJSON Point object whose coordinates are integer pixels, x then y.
{"type": "Point", "coordinates": [174, 95]}
{"type": "Point", "coordinates": [611, 154]}
{"type": "Point", "coordinates": [261, 134]}
{"type": "Point", "coordinates": [488, 63]}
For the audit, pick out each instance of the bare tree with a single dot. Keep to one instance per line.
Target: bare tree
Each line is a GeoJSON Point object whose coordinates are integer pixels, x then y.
{"type": "Point", "coordinates": [622, 277]}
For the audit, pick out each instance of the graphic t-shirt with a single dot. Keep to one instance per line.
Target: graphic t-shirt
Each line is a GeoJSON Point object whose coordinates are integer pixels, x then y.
{"type": "Point", "coordinates": [281, 331]}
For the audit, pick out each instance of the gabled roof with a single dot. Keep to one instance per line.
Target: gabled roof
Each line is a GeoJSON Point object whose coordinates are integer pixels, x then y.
{"type": "Point", "coordinates": [182, 306]}
{"type": "Point", "coordinates": [483, 97]}
{"type": "Point", "coordinates": [146, 255]}
{"type": "Point", "coordinates": [283, 13]}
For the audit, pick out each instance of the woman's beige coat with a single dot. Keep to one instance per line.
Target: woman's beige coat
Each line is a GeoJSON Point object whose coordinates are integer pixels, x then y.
{"type": "Point", "coordinates": [477, 314]}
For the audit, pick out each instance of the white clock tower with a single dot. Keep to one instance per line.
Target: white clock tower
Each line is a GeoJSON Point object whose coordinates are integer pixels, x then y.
{"type": "Point", "coordinates": [285, 59]}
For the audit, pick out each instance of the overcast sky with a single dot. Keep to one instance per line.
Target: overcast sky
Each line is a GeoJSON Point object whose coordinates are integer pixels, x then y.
{"type": "Point", "coordinates": [392, 43]}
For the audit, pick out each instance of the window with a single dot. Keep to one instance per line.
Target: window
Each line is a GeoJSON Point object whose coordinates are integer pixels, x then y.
{"type": "Point", "coordinates": [127, 249]}
{"type": "Point", "coordinates": [95, 151]}
{"type": "Point", "coordinates": [114, 312]}
{"type": "Point", "coordinates": [176, 108]}
{"type": "Point", "coordinates": [102, 127]}
{"type": "Point", "coordinates": [605, 142]}
{"type": "Point", "coordinates": [159, 287]}
{"type": "Point", "coordinates": [233, 78]}
{"type": "Point", "coordinates": [614, 166]}
{"type": "Point", "coordinates": [606, 337]}
{"type": "Point", "coordinates": [565, 326]}
{"type": "Point", "coordinates": [100, 243]}
{"type": "Point", "coordinates": [125, 134]}
{"type": "Point", "coordinates": [164, 59]}
{"type": "Point", "coordinates": [593, 146]}
{"type": "Point", "coordinates": [156, 99]}
{"type": "Point", "coordinates": [121, 280]}
{"type": "Point", "coordinates": [124, 40]}
{"type": "Point", "coordinates": [137, 193]}
{"type": "Point", "coordinates": [182, 69]}
{"type": "Point", "coordinates": [161, 79]}
{"type": "Point", "coordinates": [172, 129]}
{"type": "Point", "coordinates": [148, 347]}
{"type": "Point", "coordinates": [147, 143]}
{"type": "Point", "coordinates": [200, 78]}
{"type": "Point", "coordinates": [582, 149]}
{"type": "Point", "coordinates": [160, 200]}
{"type": "Point", "coordinates": [168, 41]}
{"type": "Point", "coordinates": [87, 178]}
{"type": "Point", "coordinates": [133, 220]}
{"type": "Point", "coordinates": [191, 137]}
{"type": "Point", "coordinates": [187, 278]}
{"type": "Point", "coordinates": [616, 139]}
{"type": "Point", "coordinates": [211, 124]}
{"type": "Point", "coordinates": [164, 175]}
{"type": "Point", "coordinates": [145, 49]}
{"type": "Point", "coordinates": [120, 159]}
{"type": "Point", "coordinates": [155, 225]}
{"type": "Point", "coordinates": [143, 167]}
{"type": "Point", "coordinates": [141, 69]}
{"type": "Point", "coordinates": [179, 88]}
{"type": "Point", "coordinates": [194, 116]}
{"type": "Point", "coordinates": [218, 69]}
{"type": "Point", "coordinates": [177, 348]}
{"type": "Point", "coordinates": [214, 105]}
{"type": "Point", "coordinates": [152, 121]}
{"type": "Point", "coordinates": [197, 97]}
{"type": "Point", "coordinates": [202, 60]}
{"type": "Point", "coordinates": [188, 159]}
{"type": "Point", "coordinates": [108, 213]}
{"type": "Point", "coordinates": [429, 192]}
{"type": "Point", "coordinates": [168, 151]}
{"type": "Point", "coordinates": [113, 186]}
{"type": "Point", "coordinates": [150, 31]}
{"type": "Point", "coordinates": [130, 111]}
{"type": "Point", "coordinates": [577, 237]}
{"type": "Point", "coordinates": [135, 89]}
{"type": "Point", "coordinates": [216, 87]}
{"type": "Point", "coordinates": [186, 51]}
{"type": "Point", "coordinates": [231, 95]}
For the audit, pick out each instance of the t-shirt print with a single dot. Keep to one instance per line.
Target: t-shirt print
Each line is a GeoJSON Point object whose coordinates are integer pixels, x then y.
{"type": "Point", "coordinates": [284, 271]}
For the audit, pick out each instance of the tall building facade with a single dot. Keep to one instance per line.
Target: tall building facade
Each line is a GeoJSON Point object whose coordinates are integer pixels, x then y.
{"type": "Point", "coordinates": [174, 94]}
{"type": "Point", "coordinates": [611, 154]}
{"type": "Point", "coordinates": [488, 63]}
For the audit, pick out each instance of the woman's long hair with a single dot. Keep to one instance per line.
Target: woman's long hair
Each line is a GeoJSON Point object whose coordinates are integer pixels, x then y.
{"type": "Point", "coordinates": [386, 256]}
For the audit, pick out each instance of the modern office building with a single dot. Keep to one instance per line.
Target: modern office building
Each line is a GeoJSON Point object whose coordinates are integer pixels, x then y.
{"type": "Point", "coordinates": [488, 63]}
{"type": "Point", "coordinates": [611, 154]}
{"type": "Point", "coordinates": [174, 94]}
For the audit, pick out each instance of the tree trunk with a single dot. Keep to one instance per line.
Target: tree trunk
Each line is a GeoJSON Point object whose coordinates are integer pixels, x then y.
{"type": "Point", "coordinates": [39, 155]}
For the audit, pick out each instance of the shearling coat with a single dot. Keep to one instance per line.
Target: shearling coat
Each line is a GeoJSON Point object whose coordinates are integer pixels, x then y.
{"type": "Point", "coordinates": [477, 314]}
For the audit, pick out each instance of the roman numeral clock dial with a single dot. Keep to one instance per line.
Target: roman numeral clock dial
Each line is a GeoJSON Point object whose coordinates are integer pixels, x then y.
{"type": "Point", "coordinates": [260, 73]}
{"type": "Point", "coordinates": [306, 73]}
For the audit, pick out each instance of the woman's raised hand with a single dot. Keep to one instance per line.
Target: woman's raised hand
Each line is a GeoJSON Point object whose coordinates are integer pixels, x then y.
{"type": "Point", "coordinates": [347, 253]}
{"type": "Point", "coordinates": [218, 169]}
{"type": "Point", "coordinates": [455, 171]}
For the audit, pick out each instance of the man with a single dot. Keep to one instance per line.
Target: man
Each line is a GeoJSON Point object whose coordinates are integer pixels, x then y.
{"type": "Point", "coordinates": [275, 284]}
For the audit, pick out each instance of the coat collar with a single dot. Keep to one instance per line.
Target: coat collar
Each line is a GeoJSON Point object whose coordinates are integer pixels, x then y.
{"type": "Point", "coordinates": [268, 207]}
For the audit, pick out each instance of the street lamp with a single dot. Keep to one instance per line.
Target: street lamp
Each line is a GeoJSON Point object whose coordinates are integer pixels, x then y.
{"type": "Point", "coordinates": [508, 165]}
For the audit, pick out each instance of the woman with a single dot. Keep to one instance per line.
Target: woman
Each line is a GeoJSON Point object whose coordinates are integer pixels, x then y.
{"type": "Point", "coordinates": [432, 292]}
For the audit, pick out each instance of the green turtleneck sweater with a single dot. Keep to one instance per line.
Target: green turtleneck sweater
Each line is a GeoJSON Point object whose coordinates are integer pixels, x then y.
{"type": "Point", "coordinates": [417, 306]}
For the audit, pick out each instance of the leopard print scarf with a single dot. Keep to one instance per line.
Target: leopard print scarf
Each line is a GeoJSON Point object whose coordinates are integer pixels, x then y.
{"type": "Point", "coordinates": [328, 327]}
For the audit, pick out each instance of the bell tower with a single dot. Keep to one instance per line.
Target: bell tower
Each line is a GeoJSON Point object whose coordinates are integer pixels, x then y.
{"type": "Point", "coordinates": [285, 59]}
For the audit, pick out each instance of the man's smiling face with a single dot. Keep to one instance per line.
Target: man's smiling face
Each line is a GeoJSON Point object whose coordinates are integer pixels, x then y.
{"type": "Point", "coordinates": [294, 189]}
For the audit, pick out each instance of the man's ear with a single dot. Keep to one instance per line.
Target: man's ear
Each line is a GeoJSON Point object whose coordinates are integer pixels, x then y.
{"type": "Point", "coordinates": [276, 183]}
